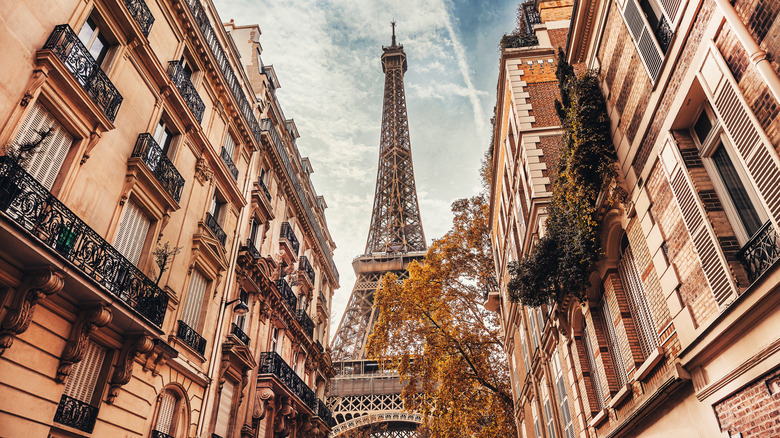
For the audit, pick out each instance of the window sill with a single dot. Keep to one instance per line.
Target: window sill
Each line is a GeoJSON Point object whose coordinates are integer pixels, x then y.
{"type": "Point", "coordinates": [650, 363]}
{"type": "Point", "coordinates": [598, 418]}
{"type": "Point", "coordinates": [624, 393]}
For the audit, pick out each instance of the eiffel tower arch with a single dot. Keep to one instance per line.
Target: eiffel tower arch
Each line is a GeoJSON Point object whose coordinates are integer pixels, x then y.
{"type": "Point", "coordinates": [362, 395]}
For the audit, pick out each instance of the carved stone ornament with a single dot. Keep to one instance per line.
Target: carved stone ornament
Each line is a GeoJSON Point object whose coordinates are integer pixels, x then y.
{"type": "Point", "coordinates": [123, 371]}
{"type": "Point", "coordinates": [88, 320]}
{"type": "Point", "coordinates": [203, 172]}
{"type": "Point", "coordinates": [283, 423]}
{"type": "Point", "coordinates": [264, 401]}
{"type": "Point", "coordinates": [20, 313]}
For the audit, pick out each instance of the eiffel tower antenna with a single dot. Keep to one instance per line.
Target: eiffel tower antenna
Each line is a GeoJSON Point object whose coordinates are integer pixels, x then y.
{"type": "Point", "coordinates": [360, 394]}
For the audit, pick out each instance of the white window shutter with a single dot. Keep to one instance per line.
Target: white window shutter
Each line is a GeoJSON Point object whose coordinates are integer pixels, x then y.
{"type": "Point", "coordinates": [45, 164]}
{"type": "Point", "coordinates": [225, 406]}
{"type": "Point", "coordinates": [132, 232]}
{"type": "Point", "coordinates": [165, 416]}
{"type": "Point", "coordinates": [194, 301]}
{"type": "Point", "coordinates": [84, 374]}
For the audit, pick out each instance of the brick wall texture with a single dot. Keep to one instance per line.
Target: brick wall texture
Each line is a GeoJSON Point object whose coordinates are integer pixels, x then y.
{"type": "Point", "coordinates": [754, 411]}
{"type": "Point", "coordinates": [542, 96]}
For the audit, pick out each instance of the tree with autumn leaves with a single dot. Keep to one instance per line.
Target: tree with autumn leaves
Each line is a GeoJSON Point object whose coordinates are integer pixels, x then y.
{"type": "Point", "coordinates": [445, 344]}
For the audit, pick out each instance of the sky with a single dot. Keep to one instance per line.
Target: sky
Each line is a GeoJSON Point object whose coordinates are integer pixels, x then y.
{"type": "Point", "coordinates": [326, 54]}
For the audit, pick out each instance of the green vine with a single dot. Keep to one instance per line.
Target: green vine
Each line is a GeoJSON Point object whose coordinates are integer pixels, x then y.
{"type": "Point", "coordinates": [562, 260]}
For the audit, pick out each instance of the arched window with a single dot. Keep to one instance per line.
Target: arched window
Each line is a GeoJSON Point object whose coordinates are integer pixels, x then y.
{"type": "Point", "coordinates": [172, 412]}
{"type": "Point", "coordinates": [637, 301]}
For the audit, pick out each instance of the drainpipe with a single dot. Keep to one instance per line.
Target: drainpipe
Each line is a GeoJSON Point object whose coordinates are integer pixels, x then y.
{"type": "Point", "coordinates": [205, 403]}
{"type": "Point", "coordinates": [757, 56]}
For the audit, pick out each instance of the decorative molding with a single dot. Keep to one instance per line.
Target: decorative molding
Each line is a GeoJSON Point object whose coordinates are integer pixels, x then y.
{"type": "Point", "coordinates": [37, 285]}
{"type": "Point", "coordinates": [283, 423]}
{"type": "Point", "coordinates": [88, 320]}
{"type": "Point", "coordinates": [203, 172]}
{"type": "Point", "coordinates": [123, 370]}
{"type": "Point", "coordinates": [264, 402]}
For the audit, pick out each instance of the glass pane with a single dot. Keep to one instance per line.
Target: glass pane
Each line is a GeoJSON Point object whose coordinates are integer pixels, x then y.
{"type": "Point", "coordinates": [702, 127]}
{"type": "Point", "coordinates": [742, 203]}
{"type": "Point", "coordinates": [85, 34]}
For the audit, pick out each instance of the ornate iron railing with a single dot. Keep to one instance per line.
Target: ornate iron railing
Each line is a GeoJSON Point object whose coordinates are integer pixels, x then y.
{"type": "Point", "coordinates": [152, 155]}
{"type": "Point", "coordinates": [229, 163]}
{"type": "Point", "coordinates": [142, 15]}
{"type": "Point", "coordinates": [761, 251]}
{"type": "Point", "coordinates": [268, 126]}
{"type": "Point", "coordinates": [324, 413]}
{"type": "Point", "coordinates": [189, 336]}
{"type": "Point", "coordinates": [25, 201]}
{"type": "Point", "coordinates": [214, 435]}
{"type": "Point", "coordinates": [187, 89]}
{"type": "Point", "coordinates": [158, 434]}
{"type": "Point", "coordinates": [250, 246]}
{"type": "Point", "coordinates": [222, 60]}
{"type": "Point", "coordinates": [288, 234]}
{"type": "Point", "coordinates": [67, 46]}
{"type": "Point", "coordinates": [272, 363]}
{"type": "Point", "coordinates": [663, 34]}
{"type": "Point", "coordinates": [237, 332]}
{"type": "Point", "coordinates": [305, 321]}
{"type": "Point", "coordinates": [319, 346]}
{"type": "Point", "coordinates": [305, 266]}
{"type": "Point", "coordinates": [76, 414]}
{"type": "Point", "coordinates": [219, 234]}
{"type": "Point", "coordinates": [264, 188]}
{"type": "Point", "coordinates": [287, 294]}
{"type": "Point", "coordinates": [530, 17]}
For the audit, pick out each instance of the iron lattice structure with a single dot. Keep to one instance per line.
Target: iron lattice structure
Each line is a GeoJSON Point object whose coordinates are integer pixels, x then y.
{"type": "Point", "coordinates": [361, 397]}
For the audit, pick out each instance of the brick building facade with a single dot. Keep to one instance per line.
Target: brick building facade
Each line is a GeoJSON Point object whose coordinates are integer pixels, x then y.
{"type": "Point", "coordinates": [157, 125]}
{"type": "Point", "coordinates": [679, 333]}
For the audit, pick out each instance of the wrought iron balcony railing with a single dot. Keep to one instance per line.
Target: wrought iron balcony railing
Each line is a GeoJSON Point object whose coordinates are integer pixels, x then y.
{"type": "Point", "coordinates": [761, 252]}
{"type": "Point", "coordinates": [287, 293]}
{"type": "Point", "coordinates": [189, 336]}
{"type": "Point", "coordinates": [252, 249]}
{"type": "Point", "coordinates": [229, 163]}
{"type": "Point", "coordinates": [264, 188]}
{"type": "Point", "coordinates": [152, 155]}
{"type": "Point", "coordinates": [319, 346]}
{"type": "Point", "coordinates": [530, 16]}
{"type": "Point", "coordinates": [67, 46]}
{"type": "Point", "coordinates": [182, 82]}
{"type": "Point", "coordinates": [305, 266]}
{"type": "Point", "coordinates": [142, 15]}
{"type": "Point", "coordinates": [272, 363]}
{"type": "Point", "coordinates": [237, 332]}
{"type": "Point", "coordinates": [76, 414]}
{"type": "Point", "coordinates": [288, 234]}
{"type": "Point", "coordinates": [158, 434]}
{"type": "Point", "coordinates": [324, 413]}
{"type": "Point", "coordinates": [25, 201]}
{"type": "Point", "coordinates": [214, 435]}
{"type": "Point", "coordinates": [219, 234]}
{"type": "Point", "coordinates": [222, 60]}
{"type": "Point", "coordinates": [305, 321]}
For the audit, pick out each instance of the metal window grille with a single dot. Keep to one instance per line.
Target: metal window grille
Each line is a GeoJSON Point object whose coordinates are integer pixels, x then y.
{"type": "Point", "coordinates": [637, 301]}
{"type": "Point", "coordinates": [165, 416]}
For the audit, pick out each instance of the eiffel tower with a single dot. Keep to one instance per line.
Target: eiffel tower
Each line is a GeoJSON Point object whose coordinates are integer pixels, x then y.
{"type": "Point", "coordinates": [362, 395]}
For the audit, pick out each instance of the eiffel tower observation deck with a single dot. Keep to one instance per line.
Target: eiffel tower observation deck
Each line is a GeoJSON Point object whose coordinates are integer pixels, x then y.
{"type": "Point", "coordinates": [363, 396]}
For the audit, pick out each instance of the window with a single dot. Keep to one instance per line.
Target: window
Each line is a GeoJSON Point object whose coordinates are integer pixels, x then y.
{"type": "Point", "coordinates": [613, 345]}
{"type": "Point", "coordinates": [229, 145]}
{"type": "Point", "coordinates": [133, 229]}
{"type": "Point", "coordinates": [193, 303]}
{"type": "Point", "coordinates": [277, 338]}
{"type": "Point", "coordinates": [739, 200]}
{"type": "Point", "coordinates": [537, 425]}
{"type": "Point", "coordinates": [186, 67]}
{"type": "Point", "coordinates": [80, 397]}
{"type": "Point", "coordinates": [594, 372]}
{"type": "Point", "coordinates": [217, 207]}
{"type": "Point", "coordinates": [45, 163]}
{"type": "Point", "coordinates": [163, 135]}
{"type": "Point", "coordinates": [534, 332]}
{"type": "Point", "coordinates": [94, 38]}
{"type": "Point", "coordinates": [254, 232]}
{"type": "Point", "coordinates": [241, 319]}
{"type": "Point", "coordinates": [548, 413]}
{"type": "Point", "coordinates": [524, 347]}
{"type": "Point", "coordinates": [563, 399]}
{"type": "Point", "coordinates": [167, 416]}
{"type": "Point", "coordinates": [637, 301]}
{"type": "Point", "coordinates": [225, 408]}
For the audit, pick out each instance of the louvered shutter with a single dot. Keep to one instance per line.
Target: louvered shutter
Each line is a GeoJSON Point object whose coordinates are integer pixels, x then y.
{"type": "Point", "coordinates": [84, 374]}
{"type": "Point", "coordinates": [225, 406]}
{"type": "Point", "coordinates": [643, 36]}
{"type": "Point", "coordinates": [194, 301]}
{"type": "Point", "coordinates": [548, 414]}
{"type": "Point", "coordinates": [132, 232]}
{"type": "Point", "coordinates": [594, 372]}
{"type": "Point", "coordinates": [45, 163]}
{"type": "Point", "coordinates": [705, 243]}
{"type": "Point", "coordinates": [614, 346]}
{"type": "Point", "coordinates": [563, 398]}
{"type": "Point", "coordinates": [637, 302]}
{"type": "Point", "coordinates": [534, 332]}
{"type": "Point", "coordinates": [165, 416]}
{"type": "Point", "coordinates": [537, 426]}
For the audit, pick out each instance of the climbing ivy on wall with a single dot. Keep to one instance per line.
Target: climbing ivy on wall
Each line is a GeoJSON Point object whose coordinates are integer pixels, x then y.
{"type": "Point", "coordinates": [560, 264]}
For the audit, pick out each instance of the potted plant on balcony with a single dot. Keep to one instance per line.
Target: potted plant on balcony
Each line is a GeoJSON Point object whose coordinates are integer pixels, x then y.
{"type": "Point", "coordinates": [18, 155]}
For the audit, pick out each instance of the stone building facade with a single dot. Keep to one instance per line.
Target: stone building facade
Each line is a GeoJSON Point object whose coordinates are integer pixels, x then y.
{"type": "Point", "coordinates": [679, 333]}
{"type": "Point", "coordinates": [131, 127]}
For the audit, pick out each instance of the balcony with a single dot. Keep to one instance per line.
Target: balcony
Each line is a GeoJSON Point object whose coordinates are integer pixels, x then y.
{"type": "Point", "coordinates": [530, 17]}
{"type": "Point", "coordinates": [26, 202]}
{"type": "Point", "coordinates": [158, 434]}
{"type": "Point", "coordinates": [319, 346]}
{"type": "Point", "coordinates": [186, 89]}
{"type": "Point", "coordinates": [251, 249]}
{"type": "Point", "coordinates": [325, 414]}
{"type": "Point", "coordinates": [189, 336]}
{"type": "Point", "coordinates": [663, 34]}
{"type": "Point", "coordinates": [305, 267]}
{"type": "Point", "coordinates": [287, 294]}
{"type": "Point", "coordinates": [272, 363]}
{"type": "Point", "coordinates": [288, 241]}
{"type": "Point", "coordinates": [305, 321]}
{"type": "Point", "coordinates": [219, 234]}
{"type": "Point", "coordinates": [69, 49]}
{"type": "Point", "coordinates": [236, 331]}
{"type": "Point", "coordinates": [147, 149]}
{"type": "Point", "coordinates": [761, 252]}
{"type": "Point", "coordinates": [76, 414]}
{"type": "Point", "coordinates": [228, 160]}
{"type": "Point", "coordinates": [141, 14]}
{"type": "Point", "coordinates": [264, 188]}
